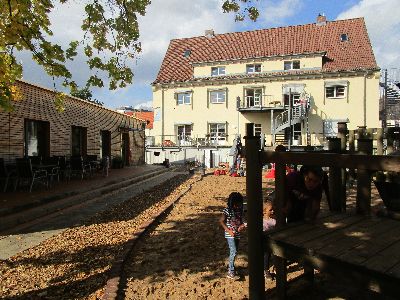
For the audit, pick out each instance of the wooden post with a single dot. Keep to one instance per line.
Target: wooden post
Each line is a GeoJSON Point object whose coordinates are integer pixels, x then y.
{"type": "Point", "coordinates": [352, 149]}
{"type": "Point", "coordinates": [280, 190]}
{"type": "Point", "coordinates": [254, 214]}
{"type": "Point", "coordinates": [379, 141]}
{"type": "Point", "coordinates": [363, 204]}
{"type": "Point", "coordinates": [335, 179]}
{"type": "Point", "coordinates": [342, 134]}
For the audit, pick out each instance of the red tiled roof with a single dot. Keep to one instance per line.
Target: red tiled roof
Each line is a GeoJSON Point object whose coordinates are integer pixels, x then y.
{"type": "Point", "coordinates": [354, 54]}
{"type": "Point", "coordinates": [145, 115]}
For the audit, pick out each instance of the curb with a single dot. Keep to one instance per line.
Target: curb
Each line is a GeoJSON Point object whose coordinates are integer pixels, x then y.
{"type": "Point", "coordinates": [113, 284]}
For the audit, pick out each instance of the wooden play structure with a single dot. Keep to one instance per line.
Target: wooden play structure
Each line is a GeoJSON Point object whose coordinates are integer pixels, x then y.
{"type": "Point", "coordinates": [348, 244]}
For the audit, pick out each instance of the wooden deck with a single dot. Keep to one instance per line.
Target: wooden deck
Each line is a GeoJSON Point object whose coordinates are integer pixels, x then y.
{"type": "Point", "coordinates": [365, 250]}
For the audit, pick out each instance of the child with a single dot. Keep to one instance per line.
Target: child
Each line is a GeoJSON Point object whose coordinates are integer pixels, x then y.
{"type": "Point", "coordinates": [268, 224]}
{"type": "Point", "coordinates": [232, 222]}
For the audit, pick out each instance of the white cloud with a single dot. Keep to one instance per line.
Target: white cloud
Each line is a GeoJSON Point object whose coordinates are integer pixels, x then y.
{"type": "Point", "coordinates": [383, 24]}
{"type": "Point", "coordinates": [144, 105]}
{"type": "Point", "coordinates": [273, 13]}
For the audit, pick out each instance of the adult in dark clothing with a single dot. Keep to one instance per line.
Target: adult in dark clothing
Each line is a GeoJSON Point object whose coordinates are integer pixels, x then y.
{"type": "Point", "coordinates": [304, 193]}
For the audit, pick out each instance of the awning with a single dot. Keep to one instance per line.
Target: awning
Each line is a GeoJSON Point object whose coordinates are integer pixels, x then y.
{"type": "Point", "coordinates": [336, 83]}
{"type": "Point", "coordinates": [293, 88]}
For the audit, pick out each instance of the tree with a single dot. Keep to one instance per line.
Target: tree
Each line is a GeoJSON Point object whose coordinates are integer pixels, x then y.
{"type": "Point", "coordinates": [85, 94]}
{"type": "Point", "coordinates": [110, 40]}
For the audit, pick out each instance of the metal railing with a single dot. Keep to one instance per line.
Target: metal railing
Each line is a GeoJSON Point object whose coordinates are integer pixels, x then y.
{"type": "Point", "coordinates": [259, 101]}
{"type": "Point", "coordinates": [187, 140]}
{"type": "Point", "coordinates": [281, 121]}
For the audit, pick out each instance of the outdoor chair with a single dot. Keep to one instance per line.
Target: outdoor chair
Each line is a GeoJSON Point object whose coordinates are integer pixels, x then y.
{"type": "Point", "coordinates": [77, 166]}
{"type": "Point", "coordinates": [64, 167]}
{"type": "Point", "coordinates": [5, 175]}
{"type": "Point", "coordinates": [26, 173]}
{"type": "Point", "coordinates": [93, 162]}
{"type": "Point", "coordinates": [52, 167]}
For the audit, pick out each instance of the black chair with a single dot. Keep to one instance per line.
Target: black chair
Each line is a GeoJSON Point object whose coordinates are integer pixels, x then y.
{"type": "Point", "coordinates": [5, 174]}
{"type": "Point", "coordinates": [64, 167]}
{"type": "Point", "coordinates": [51, 164]}
{"type": "Point", "coordinates": [26, 173]}
{"type": "Point", "coordinates": [77, 166]}
{"type": "Point", "coordinates": [93, 162]}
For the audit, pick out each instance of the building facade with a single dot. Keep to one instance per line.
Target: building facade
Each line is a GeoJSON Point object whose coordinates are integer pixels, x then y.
{"type": "Point", "coordinates": [36, 128]}
{"type": "Point", "coordinates": [294, 83]}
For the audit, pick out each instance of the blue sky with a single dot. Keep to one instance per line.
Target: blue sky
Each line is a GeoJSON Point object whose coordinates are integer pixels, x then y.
{"type": "Point", "coordinates": [170, 19]}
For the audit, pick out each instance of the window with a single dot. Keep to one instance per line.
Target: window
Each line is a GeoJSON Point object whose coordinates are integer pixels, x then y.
{"type": "Point", "coordinates": [217, 96]}
{"type": "Point", "coordinates": [215, 71]}
{"type": "Point", "coordinates": [217, 131]}
{"type": "Point", "coordinates": [253, 97]}
{"type": "Point", "coordinates": [294, 97]}
{"type": "Point", "coordinates": [336, 91]}
{"type": "Point", "coordinates": [184, 98]}
{"type": "Point", "coordinates": [291, 65]}
{"type": "Point", "coordinates": [37, 138]}
{"type": "Point", "coordinates": [187, 53]}
{"type": "Point", "coordinates": [344, 37]}
{"type": "Point", "coordinates": [105, 143]}
{"type": "Point", "coordinates": [78, 140]}
{"type": "Point", "coordinates": [253, 68]}
{"type": "Point", "coordinates": [257, 129]}
{"type": "Point", "coordinates": [184, 132]}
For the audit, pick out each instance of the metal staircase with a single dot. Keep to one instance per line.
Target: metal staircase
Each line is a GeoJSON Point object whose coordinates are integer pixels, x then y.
{"type": "Point", "coordinates": [284, 120]}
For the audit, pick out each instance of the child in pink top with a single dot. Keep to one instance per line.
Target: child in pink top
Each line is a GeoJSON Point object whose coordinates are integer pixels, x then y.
{"type": "Point", "coordinates": [268, 224]}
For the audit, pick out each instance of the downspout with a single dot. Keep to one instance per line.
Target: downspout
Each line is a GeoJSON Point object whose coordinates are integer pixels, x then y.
{"type": "Point", "coordinates": [365, 99]}
{"type": "Point", "coordinates": [162, 115]}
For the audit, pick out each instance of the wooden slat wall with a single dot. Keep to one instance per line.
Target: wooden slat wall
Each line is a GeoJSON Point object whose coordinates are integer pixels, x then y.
{"type": "Point", "coordinates": [38, 104]}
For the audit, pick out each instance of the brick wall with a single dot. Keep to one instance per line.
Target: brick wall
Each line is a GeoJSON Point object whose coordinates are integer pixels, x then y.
{"type": "Point", "coordinates": [38, 104]}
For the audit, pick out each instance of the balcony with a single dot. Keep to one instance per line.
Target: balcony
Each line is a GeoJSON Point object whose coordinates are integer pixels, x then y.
{"type": "Point", "coordinates": [177, 141]}
{"type": "Point", "coordinates": [259, 103]}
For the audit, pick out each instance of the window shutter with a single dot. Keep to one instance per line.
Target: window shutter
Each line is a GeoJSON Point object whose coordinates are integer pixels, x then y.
{"type": "Point", "coordinates": [226, 97]}
{"type": "Point", "coordinates": [226, 130]}
{"type": "Point", "coordinates": [176, 98]}
{"type": "Point", "coordinates": [191, 98]}
{"type": "Point", "coordinates": [208, 98]}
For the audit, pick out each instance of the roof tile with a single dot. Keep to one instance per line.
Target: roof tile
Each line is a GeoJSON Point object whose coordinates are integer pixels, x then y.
{"type": "Point", "coordinates": [354, 54]}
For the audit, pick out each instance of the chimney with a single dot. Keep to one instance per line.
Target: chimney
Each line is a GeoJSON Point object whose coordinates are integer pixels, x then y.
{"type": "Point", "coordinates": [209, 33]}
{"type": "Point", "coordinates": [321, 20]}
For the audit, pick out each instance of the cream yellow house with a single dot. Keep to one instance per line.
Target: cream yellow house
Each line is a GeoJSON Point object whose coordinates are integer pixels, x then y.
{"type": "Point", "coordinates": [294, 83]}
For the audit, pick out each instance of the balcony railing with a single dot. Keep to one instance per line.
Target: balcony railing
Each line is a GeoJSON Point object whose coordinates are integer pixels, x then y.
{"type": "Point", "coordinates": [187, 140]}
{"type": "Point", "coordinates": [259, 102]}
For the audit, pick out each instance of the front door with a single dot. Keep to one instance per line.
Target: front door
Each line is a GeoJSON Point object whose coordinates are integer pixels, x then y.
{"type": "Point", "coordinates": [125, 149]}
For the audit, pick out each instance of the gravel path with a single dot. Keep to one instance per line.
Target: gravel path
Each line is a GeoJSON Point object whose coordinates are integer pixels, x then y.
{"type": "Point", "coordinates": [74, 263]}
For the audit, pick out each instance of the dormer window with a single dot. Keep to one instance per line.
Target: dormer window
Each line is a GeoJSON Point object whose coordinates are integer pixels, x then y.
{"type": "Point", "coordinates": [291, 65]}
{"type": "Point", "coordinates": [253, 68]}
{"type": "Point", "coordinates": [186, 53]}
{"type": "Point", "coordinates": [344, 37]}
{"type": "Point", "coordinates": [215, 71]}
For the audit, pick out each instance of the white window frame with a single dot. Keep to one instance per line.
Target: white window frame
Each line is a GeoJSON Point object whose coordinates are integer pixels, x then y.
{"type": "Point", "coordinates": [257, 130]}
{"type": "Point", "coordinates": [256, 97]}
{"type": "Point", "coordinates": [220, 70]}
{"type": "Point", "coordinates": [217, 96]}
{"type": "Point", "coordinates": [185, 133]}
{"type": "Point", "coordinates": [336, 93]}
{"type": "Point", "coordinates": [218, 133]}
{"type": "Point", "coordinates": [184, 98]}
{"type": "Point", "coordinates": [253, 68]}
{"type": "Point", "coordinates": [289, 65]}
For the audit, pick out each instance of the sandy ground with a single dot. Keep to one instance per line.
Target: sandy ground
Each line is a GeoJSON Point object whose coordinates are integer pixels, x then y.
{"type": "Point", "coordinates": [185, 255]}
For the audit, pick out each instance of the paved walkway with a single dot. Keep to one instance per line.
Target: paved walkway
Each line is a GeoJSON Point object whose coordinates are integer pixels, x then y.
{"type": "Point", "coordinates": [32, 233]}
{"type": "Point", "coordinates": [11, 202]}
